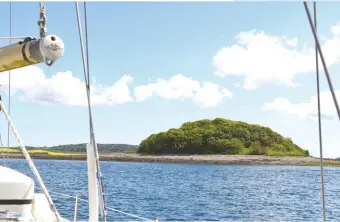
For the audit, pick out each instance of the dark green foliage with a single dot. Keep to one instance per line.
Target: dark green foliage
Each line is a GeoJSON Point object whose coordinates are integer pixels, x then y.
{"type": "Point", "coordinates": [256, 148]}
{"type": "Point", "coordinates": [220, 136]}
{"type": "Point", "coordinates": [102, 148]}
{"type": "Point", "coordinates": [306, 152]}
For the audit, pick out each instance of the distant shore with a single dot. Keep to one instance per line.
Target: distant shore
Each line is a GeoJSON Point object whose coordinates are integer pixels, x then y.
{"type": "Point", "coordinates": [210, 159]}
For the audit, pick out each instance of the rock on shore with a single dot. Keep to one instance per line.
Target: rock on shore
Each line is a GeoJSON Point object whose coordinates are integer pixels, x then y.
{"type": "Point", "coordinates": [213, 159]}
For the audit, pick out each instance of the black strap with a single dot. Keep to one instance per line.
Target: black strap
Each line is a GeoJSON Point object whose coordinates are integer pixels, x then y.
{"type": "Point", "coordinates": [15, 202]}
{"type": "Point", "coordinates": [24, 53]}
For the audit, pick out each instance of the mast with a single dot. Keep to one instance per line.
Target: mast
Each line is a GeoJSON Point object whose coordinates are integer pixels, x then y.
{"type": "Point", "coordinates": [92, 143]}
{"type": "Point", "coordinates": [92, 183]}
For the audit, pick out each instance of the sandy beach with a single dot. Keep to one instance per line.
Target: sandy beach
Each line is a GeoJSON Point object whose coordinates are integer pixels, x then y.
{"type": "Point", "coordinates": [211, 159]}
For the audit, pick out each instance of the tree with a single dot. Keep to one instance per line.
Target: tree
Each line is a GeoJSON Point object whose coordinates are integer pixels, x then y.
{"type": "Point", "coordinates": [220, 136]}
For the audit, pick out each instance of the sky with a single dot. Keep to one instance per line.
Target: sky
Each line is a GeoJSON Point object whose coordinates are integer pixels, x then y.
{"type": "Point", "coordinates": [155, 66]}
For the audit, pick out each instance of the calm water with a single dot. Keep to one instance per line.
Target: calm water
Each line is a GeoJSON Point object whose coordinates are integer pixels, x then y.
{"type": "Point", "coordinates": [196, 191]}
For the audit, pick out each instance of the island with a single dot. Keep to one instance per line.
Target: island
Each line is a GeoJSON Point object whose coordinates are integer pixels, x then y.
{"type": "Point", "coordinates": [220, 136]}
{"type": "Point", "coordinates": [217, 141]}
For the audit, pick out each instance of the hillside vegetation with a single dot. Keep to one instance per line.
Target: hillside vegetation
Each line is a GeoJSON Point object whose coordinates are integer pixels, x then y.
{"type": "Point", "coordinates": [103, 148]}
{"type": "Point", "coordinates": [78, 148]}
{"type": "Point", "coordinates": [220, 136]}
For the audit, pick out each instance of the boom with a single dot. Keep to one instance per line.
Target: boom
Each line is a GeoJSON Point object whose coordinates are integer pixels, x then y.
{"type": "Point", "coordinates": [31, 51]}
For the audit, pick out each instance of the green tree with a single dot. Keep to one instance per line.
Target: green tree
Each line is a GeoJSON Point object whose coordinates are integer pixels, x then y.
{"type": "Point", "coordinates": [220, 136]}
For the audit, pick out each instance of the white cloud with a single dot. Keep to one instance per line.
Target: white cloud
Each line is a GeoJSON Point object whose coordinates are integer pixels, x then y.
{"type": "Point", "coordinates": [262, 59]}
{"type": "Point", "coordinates": [291, 42]}
{"type": "Point", "coordinates": [305, 110]}
{"type": "Point", "coordinates": [181, 87]}
{"type": "Point", "coordinates": [237, 84]}
{"type": "Point", "coordinates": [64, 88]}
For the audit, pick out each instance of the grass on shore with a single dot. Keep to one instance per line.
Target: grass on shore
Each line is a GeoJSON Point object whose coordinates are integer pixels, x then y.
{"type": "Point", "coordinates": [8, 150]}
{"type": "Point", "coordinates": [41, 154]}
{"type": "Point", "coordinates": [51, 153]}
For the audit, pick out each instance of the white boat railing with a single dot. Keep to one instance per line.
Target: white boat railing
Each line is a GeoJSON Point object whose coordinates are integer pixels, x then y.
{"type": "Point", "coordinates": [77, 199]}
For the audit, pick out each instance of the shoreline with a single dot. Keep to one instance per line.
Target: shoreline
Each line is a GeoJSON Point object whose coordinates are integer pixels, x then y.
{"type": "Point", "coordinates": [207, 159]}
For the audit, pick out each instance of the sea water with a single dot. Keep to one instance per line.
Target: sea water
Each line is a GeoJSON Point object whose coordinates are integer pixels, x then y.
{"type": "Point", "coordinates": [192, 192]}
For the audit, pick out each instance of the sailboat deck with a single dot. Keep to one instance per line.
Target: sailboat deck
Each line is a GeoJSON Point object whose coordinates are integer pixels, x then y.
{"type": "Point", "coordinates": [9, 216]}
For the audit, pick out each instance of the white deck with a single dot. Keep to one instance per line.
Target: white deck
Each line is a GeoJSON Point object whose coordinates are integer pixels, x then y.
{"type": "Point", "coordinates": [18, 202]}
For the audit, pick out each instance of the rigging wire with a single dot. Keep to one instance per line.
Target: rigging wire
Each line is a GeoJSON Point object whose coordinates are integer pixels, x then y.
{"type": "Point", "coordinates": [23, 148]}
{"type": "Point", "coordinates": [110, 208]}
{"type": "Point", "coordinates": [30, 162]}
{"type": "Point", "coordinates": [3, 151]}
{"type": "Point", "coordinates": [101, 185]}
{"type": "Point", "coordinates": [319, 120]}
{"type": "Point", "coordinates": [87, 46]}
{"type": "Point", "coordinates": [13, 38]}
{"type": "Point", "coordinates": [322, 60]}
{"type": "Point", "coordinates": [319, 51]}
{"type": "Point", "coordinates": [9, 73]}
{"type": "Point", "coordinates": [92, 135]}
{"type": "Point", "coordinates": [9, 80]}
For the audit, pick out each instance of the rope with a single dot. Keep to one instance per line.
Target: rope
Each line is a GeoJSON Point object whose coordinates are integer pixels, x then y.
{"type": "Point", "coordinates": [319, 118]}
{"type": "Point", "coordinates": [43, 28]}
{"type": "Point", "coordinates": [30, 162]}
{"type": "Point", "coordinates": [110, 208]}
{"type": "Point", "coordinates": [92, 135]}
{"type": "Point", "coordinates": [42, 20]}
{"type": "Point", "coordinates": [322, 60]}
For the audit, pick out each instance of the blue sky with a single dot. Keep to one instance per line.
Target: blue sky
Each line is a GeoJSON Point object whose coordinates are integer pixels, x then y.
{"type": "Point", "coordinates": [151, 41]}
